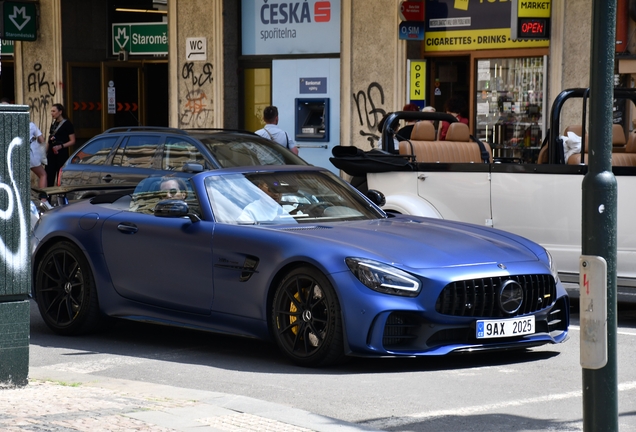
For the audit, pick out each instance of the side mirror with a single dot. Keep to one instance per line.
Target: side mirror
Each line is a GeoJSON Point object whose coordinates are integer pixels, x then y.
{"type": "Point", "coordinates": [174, 209]}
{"type": "Point", "coordinates": [376, 197]}
{"type": "Point", "coordinates": [192, 167]}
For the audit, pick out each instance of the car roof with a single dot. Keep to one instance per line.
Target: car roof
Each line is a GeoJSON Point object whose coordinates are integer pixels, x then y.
{"type": "Point", "coordinates": [261, 169]}
{"type": "Point", "coordinates": [164, 129]}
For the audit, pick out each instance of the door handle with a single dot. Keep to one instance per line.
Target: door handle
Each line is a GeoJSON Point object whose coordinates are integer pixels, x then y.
{"type": "Point", "coordinates": [322, 146]}
{"type": "Point", "coordinates": [107, 178]}
{"type": "Point", "coordinates": [127, 228]}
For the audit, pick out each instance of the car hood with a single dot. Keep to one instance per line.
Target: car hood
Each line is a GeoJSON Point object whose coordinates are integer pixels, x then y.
{"type": "Point", "coordinates": [425, 243]}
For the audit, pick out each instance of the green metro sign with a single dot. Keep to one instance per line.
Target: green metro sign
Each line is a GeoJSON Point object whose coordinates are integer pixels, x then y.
{"type": "Point", "coordinates": [140, 38]}
{"type": "Point", "coordinates": [19, 21]}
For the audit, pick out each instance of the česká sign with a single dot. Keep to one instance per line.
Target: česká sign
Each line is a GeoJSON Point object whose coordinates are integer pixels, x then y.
{"type": "Point", "coordinates": [140, 38]}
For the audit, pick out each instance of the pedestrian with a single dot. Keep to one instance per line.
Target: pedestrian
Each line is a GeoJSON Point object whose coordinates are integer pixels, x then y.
{"type": "Point", "coordinates": [38, 154]}
{"type": "Point", "coordinates": [273, 132]}
{"type": "Point", "coordinates": [404, 134]}
{"type": "Point", "coordinates": [457, 107]}
{"type": "Point", "coordinates": [394, 126]}
{"type": "Point", "coordinates": [61, 139]}
{"type": "Point", "coordinates": [37, 149]}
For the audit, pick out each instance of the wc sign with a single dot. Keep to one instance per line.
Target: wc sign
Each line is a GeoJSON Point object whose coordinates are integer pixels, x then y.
{"type": "Point", "coordinates": [196, 49]}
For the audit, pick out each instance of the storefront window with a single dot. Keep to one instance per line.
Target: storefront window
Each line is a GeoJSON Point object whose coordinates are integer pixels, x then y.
{"type": "Point", "coordinates": [510, 106]}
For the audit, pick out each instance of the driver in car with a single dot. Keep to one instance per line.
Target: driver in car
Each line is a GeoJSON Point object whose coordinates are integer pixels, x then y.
{"type": "Point", "coordinates": [266, 208]}
{"type": "Point", "coordinates": [173, 188]}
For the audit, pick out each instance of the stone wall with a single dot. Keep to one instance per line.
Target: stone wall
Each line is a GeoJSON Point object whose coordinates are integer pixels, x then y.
{"type": "Point", "coordinates": [38, 66]}
{"type": "Point", "coordinates": [373, 65]}
{"type": "Point", "coordinates": [196, 85]}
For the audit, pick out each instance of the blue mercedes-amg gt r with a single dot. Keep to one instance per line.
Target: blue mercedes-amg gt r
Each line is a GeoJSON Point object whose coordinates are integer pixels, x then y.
{"type": "Point", "coordinates": [296, 255]}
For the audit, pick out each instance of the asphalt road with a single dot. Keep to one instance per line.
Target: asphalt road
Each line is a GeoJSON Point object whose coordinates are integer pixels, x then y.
{"type": "Point", "coordinates": [531, 390]}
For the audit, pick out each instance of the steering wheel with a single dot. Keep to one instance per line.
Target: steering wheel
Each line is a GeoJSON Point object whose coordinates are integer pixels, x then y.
{"type": "Point", "coordinates": [315, 210]}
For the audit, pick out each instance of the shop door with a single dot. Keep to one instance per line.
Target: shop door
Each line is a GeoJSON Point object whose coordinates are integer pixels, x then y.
{"type": "Point", "coordinates": [450, 76]}
{"type": "Point", "coordinates": [124, 109]}
{"type": "Point", "coordinates": [140, 96]}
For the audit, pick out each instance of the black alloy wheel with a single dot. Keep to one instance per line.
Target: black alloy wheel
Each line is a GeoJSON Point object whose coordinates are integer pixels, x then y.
{"type": "Point", "coordinates": [65, 290]}
{"type": "Point", "coordinates": [306, 319]}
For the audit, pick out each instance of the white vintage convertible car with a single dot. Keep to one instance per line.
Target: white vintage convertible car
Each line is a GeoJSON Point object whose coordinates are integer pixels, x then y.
{"type": "Point", "coordinates": [536, 193]}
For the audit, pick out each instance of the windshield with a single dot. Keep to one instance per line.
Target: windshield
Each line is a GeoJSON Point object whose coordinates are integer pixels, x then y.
{"type": "Point", "coordinates": [246, 150]}
{"type": "Point", "coordinates": [284, 198]}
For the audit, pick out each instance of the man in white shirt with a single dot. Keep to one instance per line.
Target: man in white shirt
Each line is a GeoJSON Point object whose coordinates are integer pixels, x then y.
{"type": "Point", "coordinates": [273, 132]}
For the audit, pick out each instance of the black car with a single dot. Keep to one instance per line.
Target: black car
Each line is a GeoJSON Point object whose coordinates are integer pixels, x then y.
{"type": "Point", "coordinates": [126, 155]}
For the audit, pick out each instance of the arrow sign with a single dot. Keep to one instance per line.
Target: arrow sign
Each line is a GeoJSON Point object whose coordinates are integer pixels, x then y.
{"type": "Point", "coordinates": [140, 38]}
{"type": "Point", "coordinates": [18, 20]}
{"type": "Point", "coordinates": [19, 17]}
{"type": "Point", "coordinates": [122, 37]}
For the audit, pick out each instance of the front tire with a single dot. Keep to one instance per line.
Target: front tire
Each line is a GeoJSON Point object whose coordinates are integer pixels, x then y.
{"type": "Point", "coordinates": [65, 290]}
{"type": "Point", "coordinates": [306, 319]}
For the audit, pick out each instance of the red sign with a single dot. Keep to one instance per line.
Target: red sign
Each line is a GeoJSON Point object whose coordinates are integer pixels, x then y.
{"type": "Point", "coordinates": [412, 10]}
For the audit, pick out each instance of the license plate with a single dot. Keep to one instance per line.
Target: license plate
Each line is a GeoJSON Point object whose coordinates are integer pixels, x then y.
{"type": "Point", "coordinates": [487, 329]}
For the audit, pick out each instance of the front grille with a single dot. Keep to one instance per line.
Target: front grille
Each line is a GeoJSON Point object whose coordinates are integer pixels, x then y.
{"type": "Point", "coordinates": [558, 316]}
{"type": "Point", "coordinates": [480, 297]}
{"type": "Point", "coordinates": [399, 330]}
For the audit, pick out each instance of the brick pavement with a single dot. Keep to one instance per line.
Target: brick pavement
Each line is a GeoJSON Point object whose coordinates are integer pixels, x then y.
{"type": "Point", "coordinates": [62, 401]}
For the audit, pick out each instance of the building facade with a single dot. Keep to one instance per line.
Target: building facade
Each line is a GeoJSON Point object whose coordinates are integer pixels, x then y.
{"type": "Point", "coordinates": [333, 67]}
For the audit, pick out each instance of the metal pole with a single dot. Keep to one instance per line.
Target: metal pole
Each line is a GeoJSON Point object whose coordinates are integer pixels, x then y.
{"type": "Point", "coordinates": [600, 388]}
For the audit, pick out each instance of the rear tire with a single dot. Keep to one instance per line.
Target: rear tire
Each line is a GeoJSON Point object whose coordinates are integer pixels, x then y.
{"type": "Point", "coordinates": [65, 290]}
{"type": "Point", "coordinates": [306, 319]}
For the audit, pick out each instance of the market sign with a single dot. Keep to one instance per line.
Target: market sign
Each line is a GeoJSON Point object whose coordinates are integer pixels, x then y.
{"type": "Point", "coordinates": [19, 21]}
{"type": "Point", "coordinates": [140, 38]}
{"type": "Point", "coordinates": [452, 25]}
{"type": "Point", "coordinates": [530, 19]}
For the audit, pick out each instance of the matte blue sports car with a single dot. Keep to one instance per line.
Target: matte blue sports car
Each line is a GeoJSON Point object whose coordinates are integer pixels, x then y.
{"type": "Point", "coordinates": [296, 255]}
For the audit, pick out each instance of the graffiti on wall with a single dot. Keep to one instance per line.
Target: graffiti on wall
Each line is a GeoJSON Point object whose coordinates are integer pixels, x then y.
{"type": "Point", "coordinates": [368, 106]}
{"type": "Point", "coordinates": [15, 261]}
{"type": "Point", "coordinates": [195, 104]}
{"type": "Point", "coordinates": [40, 95]}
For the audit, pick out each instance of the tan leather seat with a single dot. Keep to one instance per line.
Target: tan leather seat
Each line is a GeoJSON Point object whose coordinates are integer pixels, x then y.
{"type": "Point", "coordinates": [423, 131]}
{"type": "Point", "coordinates": [623, 150]}
{"type": "Point", "coordinates": [458, 132]}
{"type": "Point", "coordinates": [458, 147]}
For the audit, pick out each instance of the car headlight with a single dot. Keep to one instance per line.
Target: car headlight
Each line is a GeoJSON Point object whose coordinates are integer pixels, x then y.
{"type": "Point", "coordinates": [553, 269]}
{"type": "Point", "coordinates": [383, 277]}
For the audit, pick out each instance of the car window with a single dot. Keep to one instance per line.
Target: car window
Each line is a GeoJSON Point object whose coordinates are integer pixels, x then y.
{"type": "Point", "coordinates": [137, 151]}
{"type": "Point", "coordinates": [95, 152]}
{"type": "Point", "coordinates": [285, 198]}
{"type": "Point", "coordinates": [148, 193]}
{"type": "Point", "coordinates": [177, 152]}
{"type": "Point", "coordinates": [246, 150]}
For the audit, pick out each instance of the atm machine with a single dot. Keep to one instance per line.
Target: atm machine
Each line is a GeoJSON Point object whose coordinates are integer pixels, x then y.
{"type": "Point", "coordinates": [312, 120]}
{"type": "Point", "coordinates": [307, 94]}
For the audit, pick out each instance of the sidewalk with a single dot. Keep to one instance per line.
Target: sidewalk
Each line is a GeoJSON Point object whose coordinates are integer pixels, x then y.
{"type": "Point", "coordinates": [62, 401]}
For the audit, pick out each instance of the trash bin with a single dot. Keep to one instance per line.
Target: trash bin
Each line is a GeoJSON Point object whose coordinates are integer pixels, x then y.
{"type": "Point", "coordinates": [15, 257]}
